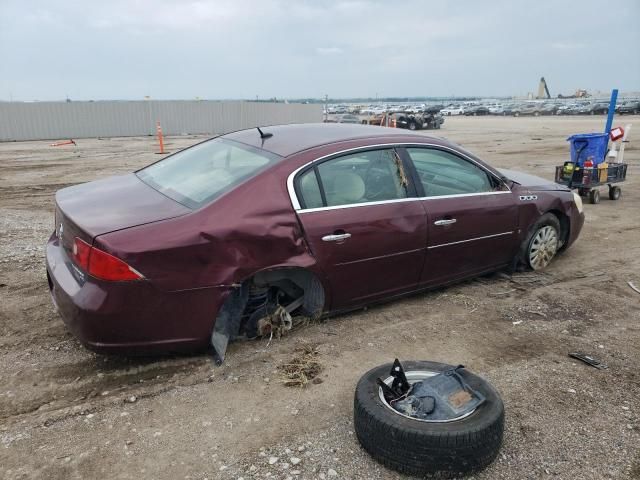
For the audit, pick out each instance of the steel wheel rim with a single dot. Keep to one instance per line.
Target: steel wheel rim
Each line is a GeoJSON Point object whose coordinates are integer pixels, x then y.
{"type": "Point", "coordinates": [543, 247]}
{"type": "Point", "coordinates": [415, 376]}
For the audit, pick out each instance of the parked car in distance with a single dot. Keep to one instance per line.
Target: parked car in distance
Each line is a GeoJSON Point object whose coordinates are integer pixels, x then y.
{"type": "Point", "coordinates": [548, 109]}
{"type": "Point", "coordinates": [599, 108]}
{"type": "Point", "coordinates": [509, 109]}
{"type": "Point", "coordinates": [630, 108]}
{"type": "Point", "coordinates": [235, 235]}
{"type": "Point", "coordinates": [432, 120]}
{"type": "Point", "coordinates": [348, 118]}
{"type": "Point", "coordinates": [477, 110]}
{"type": "Point", "coordinates": [572, 109]}
{"type": "Point", "coordinates": [562, 109]}
{"type": "Point", "coordinates": [581, 109]}
{"type": "Point", "coordinates": [432, 109]}
{"type": "Point", "coordinates": [453, 110]}
{"type": "Point", "coordinates": [496, 110]}
{"type": "Point", "coordinates": [526, 109]}
{"type": "Point", "coordinates": [415, 109]}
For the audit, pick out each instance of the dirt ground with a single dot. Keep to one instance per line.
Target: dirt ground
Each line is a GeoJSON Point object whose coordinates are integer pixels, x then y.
{"type": "Point", "coordinates": [66, 413]}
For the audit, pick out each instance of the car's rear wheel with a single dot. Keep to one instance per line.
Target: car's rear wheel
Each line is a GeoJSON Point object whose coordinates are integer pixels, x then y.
{"type": "Point", "coordinates": [543, 243]}
{"type": "Point", "coordinates": [412, 126]}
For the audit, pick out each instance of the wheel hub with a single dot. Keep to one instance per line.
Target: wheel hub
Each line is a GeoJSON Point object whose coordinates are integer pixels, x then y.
{"type": "Point", "coordinates": [543, 247]}
{"type": "Point", "coordinates": [428, 396]}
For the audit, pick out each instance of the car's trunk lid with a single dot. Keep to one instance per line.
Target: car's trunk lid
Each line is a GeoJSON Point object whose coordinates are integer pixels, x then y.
{"type": "Point", "coordinates": [95, 208]}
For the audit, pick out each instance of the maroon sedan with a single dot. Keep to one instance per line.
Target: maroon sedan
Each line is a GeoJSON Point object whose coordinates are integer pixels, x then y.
{"type": "Point", "coordinates": [237, 235]}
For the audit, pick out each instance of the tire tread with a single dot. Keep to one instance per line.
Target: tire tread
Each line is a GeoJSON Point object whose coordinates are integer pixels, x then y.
{"type": "Point", "coordinates": [428, 449]}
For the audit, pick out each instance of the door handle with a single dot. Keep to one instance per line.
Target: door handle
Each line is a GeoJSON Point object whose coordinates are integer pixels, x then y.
{"type": "Point", "coordinates": [448, 221]}
{"type": "Point", "coordinates": [336, 237]}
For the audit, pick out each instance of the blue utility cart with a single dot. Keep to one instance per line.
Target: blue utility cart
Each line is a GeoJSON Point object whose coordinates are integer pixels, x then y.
{"type": "Point", "coordinates": [588, 179]}
{"type": "Point", "coordinates": [588, 168]}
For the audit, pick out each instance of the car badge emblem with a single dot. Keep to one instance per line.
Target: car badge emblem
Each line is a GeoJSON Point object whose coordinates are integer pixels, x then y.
{"type": "Point", "coordinates": [60, 232]}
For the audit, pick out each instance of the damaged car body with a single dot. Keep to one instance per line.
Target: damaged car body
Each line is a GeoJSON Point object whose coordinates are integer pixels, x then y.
{"type": "Point", "coordinates": [247, 234]}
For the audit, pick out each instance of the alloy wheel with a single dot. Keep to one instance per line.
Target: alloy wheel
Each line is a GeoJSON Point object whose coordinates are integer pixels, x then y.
{"type": "Point", "coordinates": [543, 247]}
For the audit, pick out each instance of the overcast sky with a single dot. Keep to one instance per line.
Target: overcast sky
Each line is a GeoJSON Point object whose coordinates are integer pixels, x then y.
{"type": "Point", "coordinates": [222, 49]}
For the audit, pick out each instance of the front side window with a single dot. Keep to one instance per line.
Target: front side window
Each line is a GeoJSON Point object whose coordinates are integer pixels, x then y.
{"type": "Point", "coordinates": [202, 173]}
{"type": "Point", "coordinates": [369, 176]}
{"type": "Point", "coordinates": [443, 173]}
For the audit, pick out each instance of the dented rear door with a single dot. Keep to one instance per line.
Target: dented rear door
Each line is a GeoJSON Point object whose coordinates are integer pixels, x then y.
{"type": "Point", "coordinates": [364, 225]}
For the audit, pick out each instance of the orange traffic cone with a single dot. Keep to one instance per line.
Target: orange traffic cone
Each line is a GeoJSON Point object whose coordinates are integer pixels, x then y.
{"type": "Point", "coordinates": [160, 138]}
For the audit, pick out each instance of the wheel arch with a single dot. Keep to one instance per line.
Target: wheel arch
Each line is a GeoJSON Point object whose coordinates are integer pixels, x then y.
{"type": "Point", "coordinates": [291, 279]}
{"type": "Point", "coordinates": [565, 226]}
{"type": "Point", "coordinates": [315, 289]}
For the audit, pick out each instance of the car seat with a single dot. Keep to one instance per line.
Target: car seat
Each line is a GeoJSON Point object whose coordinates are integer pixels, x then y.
{"type": "Point", "coordinates": [347, 188]}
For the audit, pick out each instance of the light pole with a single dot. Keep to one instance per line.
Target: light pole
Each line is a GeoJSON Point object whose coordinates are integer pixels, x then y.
{"type": "Point", "coordinates": [326, 113]}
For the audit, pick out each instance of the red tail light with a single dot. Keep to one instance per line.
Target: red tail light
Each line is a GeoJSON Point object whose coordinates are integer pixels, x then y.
{"type": "Point", "coordinates": [101, 264]}
{"type": "Point", "coordinates": [81, 251]}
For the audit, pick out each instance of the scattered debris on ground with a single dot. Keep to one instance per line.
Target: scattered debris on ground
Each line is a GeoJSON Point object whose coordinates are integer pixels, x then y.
{"type": "Point", "coordinates": [303, 367]}
{"type": "Point", "coordinates": [588, 359]}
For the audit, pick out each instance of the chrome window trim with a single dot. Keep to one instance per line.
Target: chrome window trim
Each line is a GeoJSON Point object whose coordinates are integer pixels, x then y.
{"type": "Point", "coordinates": [298, 208]}
{"type": "Point", "coordinates": [469, 240]}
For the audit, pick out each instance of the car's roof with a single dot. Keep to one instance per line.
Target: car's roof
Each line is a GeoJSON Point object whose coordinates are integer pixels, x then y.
{"type": "Point", "coordinates": [289, 139]}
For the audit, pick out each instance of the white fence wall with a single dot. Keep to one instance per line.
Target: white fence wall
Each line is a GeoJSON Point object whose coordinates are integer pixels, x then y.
{"type": "Point", "coordinates": [60, 120]}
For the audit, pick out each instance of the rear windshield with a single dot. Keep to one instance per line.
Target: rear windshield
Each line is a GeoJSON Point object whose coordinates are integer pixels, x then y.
{"type": "Point", "coordinates": [200, 174]}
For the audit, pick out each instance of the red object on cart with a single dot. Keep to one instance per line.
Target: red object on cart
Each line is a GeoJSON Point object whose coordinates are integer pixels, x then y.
{"type": "Point", "coordinates": [616, 133]}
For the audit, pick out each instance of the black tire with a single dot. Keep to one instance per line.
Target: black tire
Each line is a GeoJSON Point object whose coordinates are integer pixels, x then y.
{"type": "Point", "coordinates": [614, 193]}
{"type": "Point", "coordinates": [412, 126]}
{"type": "Point", "coordinates": [594, 196]}
{"type": "Point", "coordinates": [420, 448]}
{"type": "Point", "coordinates": [548, 219]}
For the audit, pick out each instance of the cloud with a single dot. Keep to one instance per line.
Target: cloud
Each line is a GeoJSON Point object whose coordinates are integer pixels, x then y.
{"type": "Point", "coordinates": [329, 51]}
{"type": "Point", "coordinates": [126, 49]}
{"type": "Point", "coordinates": [567, 45]}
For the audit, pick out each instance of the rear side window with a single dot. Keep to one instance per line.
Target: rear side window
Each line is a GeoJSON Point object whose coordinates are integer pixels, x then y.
{"type": "Point", "coordinates": [310, 190]}
{"type": "Point", "coordinates": [369, 176]}
{"type": "Point", "coordinates": [443, 173]}
{"type": "Point", "coordinates": [200, 174]}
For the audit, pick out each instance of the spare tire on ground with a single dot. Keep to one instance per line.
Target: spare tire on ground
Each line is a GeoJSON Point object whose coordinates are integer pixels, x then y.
{"type": "Point", "coordinates": [411, 443]}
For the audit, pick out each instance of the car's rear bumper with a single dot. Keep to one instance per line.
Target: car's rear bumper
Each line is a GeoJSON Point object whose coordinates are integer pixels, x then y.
{"type": "Point", "coordinates": [129, 317]}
